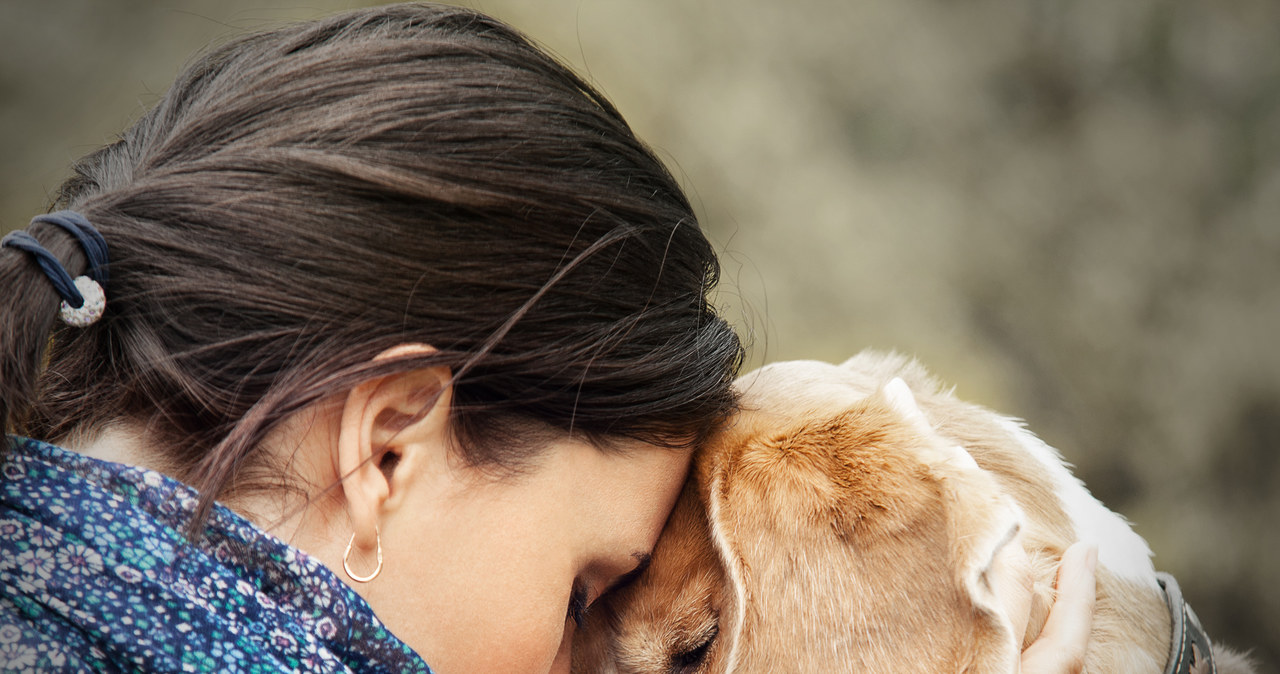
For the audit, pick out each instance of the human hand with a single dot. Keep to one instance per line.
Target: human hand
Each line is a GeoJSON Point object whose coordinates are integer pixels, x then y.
{"type": "Point", "coordinates": [1060, 648]}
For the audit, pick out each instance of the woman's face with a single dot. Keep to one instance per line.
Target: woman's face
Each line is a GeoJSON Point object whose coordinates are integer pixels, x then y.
{"type": "Point", "coordinates": [484, 580]}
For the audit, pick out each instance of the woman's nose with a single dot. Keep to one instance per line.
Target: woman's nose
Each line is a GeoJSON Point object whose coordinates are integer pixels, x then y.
{"type": "Point", "coordinates": [563, 656]}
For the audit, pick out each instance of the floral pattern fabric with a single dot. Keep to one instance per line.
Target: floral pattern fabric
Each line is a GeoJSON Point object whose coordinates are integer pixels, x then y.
{"type": "Point", "coordinates": [96, 575]}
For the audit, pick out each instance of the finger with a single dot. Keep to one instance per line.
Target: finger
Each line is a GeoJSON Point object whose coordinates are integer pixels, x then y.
{"type": "Point", "coordinates": [1061, 646]}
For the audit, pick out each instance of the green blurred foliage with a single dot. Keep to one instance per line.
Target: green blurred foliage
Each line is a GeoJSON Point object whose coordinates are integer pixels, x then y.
{"type": "Point", "coordinates": [1071, 210]}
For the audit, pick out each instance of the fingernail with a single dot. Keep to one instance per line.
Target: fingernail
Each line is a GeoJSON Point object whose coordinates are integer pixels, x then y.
{"type": "Point", "coordinates": [1091, 558]}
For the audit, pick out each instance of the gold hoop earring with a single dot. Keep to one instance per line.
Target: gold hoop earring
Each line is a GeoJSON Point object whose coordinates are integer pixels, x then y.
{"type": "Point", "coordinates": [347, 567]}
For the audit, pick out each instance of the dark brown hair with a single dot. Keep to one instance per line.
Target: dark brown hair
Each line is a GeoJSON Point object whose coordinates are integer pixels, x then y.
{"type": "Point", "coordinates": [304, 198]}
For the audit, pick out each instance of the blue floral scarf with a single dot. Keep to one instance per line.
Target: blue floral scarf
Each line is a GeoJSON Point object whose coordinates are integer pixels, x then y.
{"type": "Point", "coordinates": [96, 575]}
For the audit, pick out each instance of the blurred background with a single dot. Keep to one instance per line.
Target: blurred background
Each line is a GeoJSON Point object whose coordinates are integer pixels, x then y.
{"type": "Point", "coordinates": [1071, 210]}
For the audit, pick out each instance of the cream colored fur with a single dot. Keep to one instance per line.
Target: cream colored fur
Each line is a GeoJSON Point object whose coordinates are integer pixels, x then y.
{"type": "Point", "coordinates": [855, 518]}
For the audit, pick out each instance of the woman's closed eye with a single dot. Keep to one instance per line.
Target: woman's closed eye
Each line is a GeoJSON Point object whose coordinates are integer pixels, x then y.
{"type": "Point", "coordinates": [579, 602]}
{"type": "Point", "coordinates": [580, 599]}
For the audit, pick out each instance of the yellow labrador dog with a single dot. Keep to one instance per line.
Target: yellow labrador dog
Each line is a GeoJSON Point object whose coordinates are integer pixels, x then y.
{"type": "Point", "coordinates": [858, 518]}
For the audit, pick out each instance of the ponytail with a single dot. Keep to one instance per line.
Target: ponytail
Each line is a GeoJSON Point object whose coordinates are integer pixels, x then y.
{"type": "Point", "coordinates": [27, 313]}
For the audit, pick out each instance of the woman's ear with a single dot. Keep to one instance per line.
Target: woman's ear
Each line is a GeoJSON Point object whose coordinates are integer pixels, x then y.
{"type": "Point", "coordinates": [390, 427]}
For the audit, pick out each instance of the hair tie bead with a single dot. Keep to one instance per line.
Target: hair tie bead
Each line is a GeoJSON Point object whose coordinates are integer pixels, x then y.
{"type": "Point", "coordinates": [83, 298]}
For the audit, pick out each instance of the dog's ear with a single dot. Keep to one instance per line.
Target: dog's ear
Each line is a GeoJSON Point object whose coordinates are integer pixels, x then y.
{"type": "Point", "coordinates": [804, 516]}
{"type": "Point", "coordinates": [710, 473]}
{"type": "Point", "coordinates": [854, 513]}
{"type": "Point", "coordinates": [983, 526]}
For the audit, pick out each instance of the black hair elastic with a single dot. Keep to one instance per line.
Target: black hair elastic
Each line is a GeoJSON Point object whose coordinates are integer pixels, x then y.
{"type": "Point", "coordinates": [83, 299]}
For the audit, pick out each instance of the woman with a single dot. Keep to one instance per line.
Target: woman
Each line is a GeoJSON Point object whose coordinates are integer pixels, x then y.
{"type": "Point", "coordinates": [394, 287]}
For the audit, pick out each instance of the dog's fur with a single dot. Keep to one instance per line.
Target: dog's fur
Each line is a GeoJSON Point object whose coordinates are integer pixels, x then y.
{"type": "Point", "coordinates": [851, 519]}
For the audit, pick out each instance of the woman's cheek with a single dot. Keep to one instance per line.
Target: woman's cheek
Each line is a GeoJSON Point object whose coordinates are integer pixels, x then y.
{"type": "Point", "coordinates": [537, 649]}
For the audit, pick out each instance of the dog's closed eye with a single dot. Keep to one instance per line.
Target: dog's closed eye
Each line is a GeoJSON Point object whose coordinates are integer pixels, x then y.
{"type": "Point", "coordinates": [690, 659]}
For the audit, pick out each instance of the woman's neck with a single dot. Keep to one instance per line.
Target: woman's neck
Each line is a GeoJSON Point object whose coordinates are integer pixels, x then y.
{"type": "Point", "coordinates": [118, 442]}
{"type": "Point", "coordinates": [127, 443]}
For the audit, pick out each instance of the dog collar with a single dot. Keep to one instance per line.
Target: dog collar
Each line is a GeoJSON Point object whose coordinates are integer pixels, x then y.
{"type": "Point", "coordinates": [1190, 651]}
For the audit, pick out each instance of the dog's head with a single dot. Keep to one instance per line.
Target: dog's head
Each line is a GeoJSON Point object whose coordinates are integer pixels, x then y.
{"type": "Point", "coordinates": [828, 529]}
